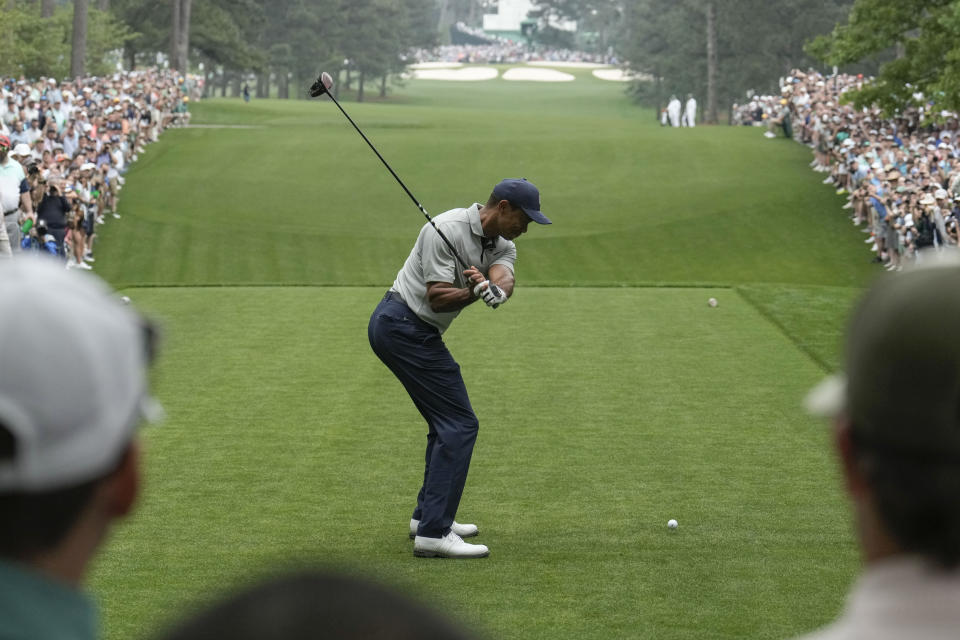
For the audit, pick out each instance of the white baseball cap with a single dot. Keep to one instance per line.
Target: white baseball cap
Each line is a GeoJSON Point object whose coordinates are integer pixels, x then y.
{"type": "Point", "coordinates": [73, 380]}
{"type": "Point", "coordinates": [21, 150]}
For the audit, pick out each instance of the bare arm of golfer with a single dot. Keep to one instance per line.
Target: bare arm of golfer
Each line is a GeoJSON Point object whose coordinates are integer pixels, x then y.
{"type": "Point", "coordinates": [502, 277]}
{"type": "Point", "coordinates": [443, 296]}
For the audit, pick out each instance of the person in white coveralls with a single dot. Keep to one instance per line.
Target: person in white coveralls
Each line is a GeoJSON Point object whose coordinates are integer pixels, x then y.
{"type": "Point", "coordinates": [690, 111]}
{"type": "Point", "coordinates": [673, 111]}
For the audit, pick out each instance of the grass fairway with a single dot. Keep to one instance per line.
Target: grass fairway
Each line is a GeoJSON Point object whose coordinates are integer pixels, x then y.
{"type": "Point", "coordinates": [288, 439]}
{"type": "Point", "coordinates": [302, 200]}
{"type": "Point", "coordinates": [611, 397]}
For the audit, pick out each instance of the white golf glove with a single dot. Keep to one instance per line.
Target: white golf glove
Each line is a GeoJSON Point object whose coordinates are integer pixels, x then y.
{"type": "Point", "coordinates": [493, 296]}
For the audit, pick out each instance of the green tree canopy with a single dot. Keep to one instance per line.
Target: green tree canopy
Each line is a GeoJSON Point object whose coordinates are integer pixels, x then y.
{"type": "Point", "coordinates": [33, 46]}
{"type": "Point", "coordinates": [923, 36]}
{"type": "Point", "coordinates": [758, 41]}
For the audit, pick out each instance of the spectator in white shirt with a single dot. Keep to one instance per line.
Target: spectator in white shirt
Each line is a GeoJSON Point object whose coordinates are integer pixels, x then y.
{"type": "Point", "coordinates": [11, 111]}
{"type": "Point", "coordinates": [31, 111]}
{"type": "Point", "coordinates": [33, 132]}
{"type": "Point", "coordinates": [18, 135]}
{"type": "Point", "coordinates": [71, 140]}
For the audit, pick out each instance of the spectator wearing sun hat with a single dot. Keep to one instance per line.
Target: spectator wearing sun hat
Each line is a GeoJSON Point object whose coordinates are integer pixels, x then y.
{"type": "Point", "coordinates": [926, 228]}
{"type": "Point", "coordinates": [71, 400]}
{"type": "Point", "coordinates": [22, 153]}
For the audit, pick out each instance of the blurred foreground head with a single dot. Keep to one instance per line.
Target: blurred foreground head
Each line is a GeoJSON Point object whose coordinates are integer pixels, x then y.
{"type": "Point", "coordinates": [896, 412]}
{"type": "Point", "coordinates": [73, 390]}
{"type": "Point", "coordinates": [313, 605]}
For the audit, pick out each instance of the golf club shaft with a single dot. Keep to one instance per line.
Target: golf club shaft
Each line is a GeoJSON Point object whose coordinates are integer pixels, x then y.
{"type": "Point", "coordinates": [400, 182]}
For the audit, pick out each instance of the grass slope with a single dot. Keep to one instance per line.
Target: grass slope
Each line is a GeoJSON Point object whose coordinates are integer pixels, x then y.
{"type": "Point", "coordinates": [288, 441]}
{"type": "Point", "coordinates": [605, 408]}
{"type": "Point", "coordinates": [301, 200]}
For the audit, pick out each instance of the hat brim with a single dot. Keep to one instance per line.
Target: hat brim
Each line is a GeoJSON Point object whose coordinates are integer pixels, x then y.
{"type": "Point", "coordinates": [829, 398]}
{"type": "Point", "coordinates": [536, 216]}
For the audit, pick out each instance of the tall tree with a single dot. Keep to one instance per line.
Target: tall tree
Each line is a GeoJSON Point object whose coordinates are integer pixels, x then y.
{"type": "Point", "coordinates": [919, 38]}
{"type": "Point", "coordinates": [364, 22]}
{"type": "Point", "coordinates": [600, 23]}
{"type": "Point", "coordinates": [711, 9]}
{"type": "Point", "coordinates": [148, 21]}
{"type": "Point", "coordinates": [300, 38]}
{"type": "Point", "coordinates": [47, 7]}
{"type": "Point", "coordinates": [183, 45]}
{"type": "Point", "coordinates": [220, 34]}
{"type": "Point", "coordinates": [180, 34]}
{"type": "Point", "coordinates": [174, 32]}
{"type": "Point", "coordinates": [78, 55]}
{"type": "Point", "coordinates": [755, 43]}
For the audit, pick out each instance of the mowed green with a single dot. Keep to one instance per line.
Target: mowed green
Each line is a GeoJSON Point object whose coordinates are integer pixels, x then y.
{"type": "Point", "coordinates": [302, 200]}
{"type": "Point", "coordinates": [604, 413]}
{"type": "Point", "coordinates": [611, 397]}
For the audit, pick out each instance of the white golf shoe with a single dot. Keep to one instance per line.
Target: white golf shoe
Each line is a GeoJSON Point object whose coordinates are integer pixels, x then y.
{"type": "Point", "coordinates": [449, 546]}
{"type": "Point", "coordinates": [462, 530]}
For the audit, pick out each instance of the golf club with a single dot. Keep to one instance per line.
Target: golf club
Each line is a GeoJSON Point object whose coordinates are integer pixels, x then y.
{"type": "Point", "coordinates": [322, 86]}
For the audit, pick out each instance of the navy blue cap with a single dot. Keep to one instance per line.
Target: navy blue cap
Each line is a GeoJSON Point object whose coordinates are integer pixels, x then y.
{"type": "Point", "coordinates": [523, 195]}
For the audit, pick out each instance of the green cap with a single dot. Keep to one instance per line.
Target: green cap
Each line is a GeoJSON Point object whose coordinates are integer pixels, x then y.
{"type": "Point", "coordinates": [901, 390]}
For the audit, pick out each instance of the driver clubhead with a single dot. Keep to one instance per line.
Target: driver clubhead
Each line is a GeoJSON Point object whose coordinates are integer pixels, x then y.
{"type": "Point", "coordinates": [323, 85]}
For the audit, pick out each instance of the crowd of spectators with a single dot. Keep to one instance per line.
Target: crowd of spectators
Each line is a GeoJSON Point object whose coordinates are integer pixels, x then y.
{"type": "Point", "coordinates": [64, 150]}
{"type": "Point", "coordinates": [900, 175]}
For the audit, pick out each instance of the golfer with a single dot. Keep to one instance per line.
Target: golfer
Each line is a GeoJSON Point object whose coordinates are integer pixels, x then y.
{"type": "Point", "coordinates": [405, 332]}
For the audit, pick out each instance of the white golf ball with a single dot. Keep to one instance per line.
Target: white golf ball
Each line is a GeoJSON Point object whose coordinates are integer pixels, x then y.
{"type": "Point", "coordinates": [712, 302]}
{"type": "Point", "coordinates": [124, 300]}
{"type": "Point", "coordinates": [672, 524]}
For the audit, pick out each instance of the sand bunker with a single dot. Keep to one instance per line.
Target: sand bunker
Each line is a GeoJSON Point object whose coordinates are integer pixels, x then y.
{"type": "Point", "coordinates": [571, 65]}
{"type": "Point", "coordinates": [619, 75]}
{"type": "Point", "coordinates": [469, 74]}
{"type": "Point", "coordinates": [436, 65]}
{"type": "Point", "coordinates": [529, 74]}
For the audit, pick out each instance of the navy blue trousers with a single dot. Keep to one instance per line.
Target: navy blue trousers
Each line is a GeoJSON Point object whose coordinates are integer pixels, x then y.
{"type": "Point", "coordinates": [414, 351]}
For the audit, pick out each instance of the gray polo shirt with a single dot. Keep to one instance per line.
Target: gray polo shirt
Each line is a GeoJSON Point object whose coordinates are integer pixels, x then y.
{"type": "Point", "coordinates": [432, 261]}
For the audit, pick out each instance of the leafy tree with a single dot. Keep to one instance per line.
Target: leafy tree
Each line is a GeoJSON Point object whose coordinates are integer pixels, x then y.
{"type": "Point", "coordinates": [149, 23]}
{"type": "Point", "coordinates": [288, 40]}
{"type": "Point", "coordinates": [376, 35]}
{"type": "Point", "coordinates": [924, 37]}
{"type": "Point", "coordinates": [42, 47]}
{"type": "Point", "coordinates": [221, 39]}
{"type": "Point", "coordinates": [600, 23]}
{"type": "Point", "coordinates": [756, 43]}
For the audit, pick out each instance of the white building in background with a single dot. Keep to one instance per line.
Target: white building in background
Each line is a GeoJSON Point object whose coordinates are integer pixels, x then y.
{"type": "Point", "coordinates": [511, 14]}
